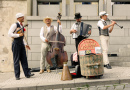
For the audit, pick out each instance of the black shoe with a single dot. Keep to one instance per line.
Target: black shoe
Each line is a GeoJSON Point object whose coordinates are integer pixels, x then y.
{"type": "Point", "coordinates": [17, 78]}
{"type": "Point", "coordinates": [108, 66]}
{"type": "Point", "coordinates": [28, 76]}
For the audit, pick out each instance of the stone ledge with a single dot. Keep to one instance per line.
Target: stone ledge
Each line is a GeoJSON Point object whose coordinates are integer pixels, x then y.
{"type": "Point", "coordinates": [29, 18]}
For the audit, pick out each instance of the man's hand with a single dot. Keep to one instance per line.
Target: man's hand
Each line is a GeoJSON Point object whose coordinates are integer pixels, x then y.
{"type": "Point", "coordinates": [89, 32]}
{"type": "Point", "coordinates": [73, 31]}
{"type": "Point", "coordinates": [59, 22]}
{"type": "Point", "coordinates": [46, 40]}
{"type": "Point", "coordinates": [28, 47]}
{"type": "Point", "coordinates": [113, 22]}
{"type": "Point", "coordinates": [21, 34]}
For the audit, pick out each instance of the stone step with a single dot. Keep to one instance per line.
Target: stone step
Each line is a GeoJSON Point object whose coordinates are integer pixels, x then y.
{"type": "Point", "coordinates": [127, 54]}
{"type": "Point", "coordinates": [128, 46]}
{"type": "Point", "coordinates": [124, 49]}
{"type": "Point", "coordinates": [120, 59]}
{"type": "Point", "coordinates": [121, 64]}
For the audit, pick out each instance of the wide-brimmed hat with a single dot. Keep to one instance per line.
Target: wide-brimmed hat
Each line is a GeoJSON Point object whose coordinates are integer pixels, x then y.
{"type": "Point", "coordinates": [77, 16]}
{"type": "Point", "coordinates": [103, 13]}
{"type": "Point", "coordinates": [18, 15]}
{"type": "Point", "coordinates": [47, 18]}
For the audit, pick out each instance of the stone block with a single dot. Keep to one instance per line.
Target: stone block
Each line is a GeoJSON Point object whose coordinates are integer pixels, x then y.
{"type": "Point", "coordinates": [87, 10]}
{"type": "Point", "coordinates": [34, 64]}
{"type": "Point", "coordinates": [66, 32]}
{"type": "Point", "coordinates": [28, 88]}
{"type": "Point", "coordinates": [121, 10]}
{"type": "Point", "coordinates": [95, 32]}
{"type": "Point", "coordinates": [72, 41]}
{"type": "Point", "coordinates": [48, 10]}
{"type": "Point", "coordinates": [70, 48]}
{"type": "Point", "coordinates": [127, 86]}
{"type": "Point", "coordinates": [126, 89]}
{"type": "Point", "coordinates": [116, 47]}
{"type": "Point", "coordinates": [29, 40]}
{"type": "Point", "coordinates": [36, 40]}
{"type": "Point", "coordinates": [126, 32]}
{"type": "Point", "coordinates": [68, 24]}
{"type": "Point", "coordinates": [29, 24]}
{"type": "Point", "coordinates": [118, 33]}
{"type": "Point", "coordinates": [35, 48]}
{"type": "Point", "coordinates": [68, 40]}
{"type": "Point", "coordinates": [9, 89]}
{"type": "Point", "coordinates": [29, 55]}
{"type": "Point", "coordinates": [34, 32]}
{"type": "Point", "coordinates": [119, 40]}
{"type": "Point", "coordinates": [36, 56]}
{"type": "Point", "coordinates": [39, 24]}
{"type": "Point", "coordinates": [119, 87]}
{"type": "Point", "coordinates": [93, 88]}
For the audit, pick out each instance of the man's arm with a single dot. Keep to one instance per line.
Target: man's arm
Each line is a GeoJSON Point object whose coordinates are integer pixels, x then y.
{"type": "Point", "coordinates": [11, 32]}
{"type": "Point", "coordinates": [72, 29]}
{"type": "Point", "coordinates": [42, 35]}
{"type": "Point", "coordinates": [112, 24]}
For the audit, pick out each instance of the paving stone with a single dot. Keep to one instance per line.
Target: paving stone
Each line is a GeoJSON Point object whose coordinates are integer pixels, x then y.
{"type": "Point", "coordinates": [127, 86]}
{"type": "Point", "coordinates": [118, 86]}
{"type": "Point", "coordinates": [93, 88]}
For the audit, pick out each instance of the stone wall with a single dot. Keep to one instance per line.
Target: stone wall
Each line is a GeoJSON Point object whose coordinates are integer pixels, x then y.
{"type": "Point", "coordinates": [118, 38]}
{"type": "Point", "coordinates": [8, 10]}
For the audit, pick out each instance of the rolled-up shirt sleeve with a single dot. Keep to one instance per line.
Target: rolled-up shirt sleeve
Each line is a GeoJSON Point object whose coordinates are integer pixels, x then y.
{"type": "Point", "coordinates": [25, 43]}
{"type": "Point", "coordinates": [60, 28]}
{"type": "Point", "coordinates": [73, 26]}
{"type": "Point", "coordinates": [11, 31]}
{"type": "Point", "coordinates": [42, 35]}
{"type": "Point", "coordinates": [100, 24]}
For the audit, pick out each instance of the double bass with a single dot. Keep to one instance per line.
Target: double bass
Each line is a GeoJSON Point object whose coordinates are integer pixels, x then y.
{"type": "Point", "coordinates": [56, 56]}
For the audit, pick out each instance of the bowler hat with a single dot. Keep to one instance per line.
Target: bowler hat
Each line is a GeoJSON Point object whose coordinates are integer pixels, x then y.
{"type": "Point", "coordinates": [77, 16]}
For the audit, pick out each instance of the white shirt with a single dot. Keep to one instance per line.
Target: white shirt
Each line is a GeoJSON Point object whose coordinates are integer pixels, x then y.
{"type": "Point", "coordinates": [14, 35]}
{"type": "Point", "coordinates": [74, 26]}
{"type": "Point", "coordinates": [48, 28]}
{"type": "Point", "coordinates": [100, 23]}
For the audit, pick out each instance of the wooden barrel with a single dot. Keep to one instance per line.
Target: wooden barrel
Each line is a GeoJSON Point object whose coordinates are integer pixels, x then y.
{"type": "Point", "coordinates": [91, 65]}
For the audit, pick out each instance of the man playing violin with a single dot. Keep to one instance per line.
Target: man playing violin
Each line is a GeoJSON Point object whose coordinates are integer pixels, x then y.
{"type": "Point", "coordinates": [104, 36]}
{"type": "Point", "coordinates": [18, 47]}
{"type": "Point", "coordinates": [45, 34]}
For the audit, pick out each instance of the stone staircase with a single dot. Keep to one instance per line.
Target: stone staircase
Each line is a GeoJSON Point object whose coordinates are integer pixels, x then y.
{"type": "Point", "coordinates": [123, 57]}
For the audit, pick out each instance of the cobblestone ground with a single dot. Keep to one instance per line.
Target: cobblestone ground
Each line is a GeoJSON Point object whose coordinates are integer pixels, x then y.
{"type": "Point", "coordinates": [123, 86]}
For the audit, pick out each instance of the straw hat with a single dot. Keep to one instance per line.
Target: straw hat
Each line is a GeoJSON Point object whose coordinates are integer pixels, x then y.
{"type": "Point", "coordinates": [47, 18]}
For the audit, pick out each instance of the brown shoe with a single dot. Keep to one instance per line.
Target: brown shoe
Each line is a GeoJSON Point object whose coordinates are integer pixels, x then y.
{"type": "Point", "coordinates": [41, 71]}
{"type": "Point", "coordinates": [48, 70]}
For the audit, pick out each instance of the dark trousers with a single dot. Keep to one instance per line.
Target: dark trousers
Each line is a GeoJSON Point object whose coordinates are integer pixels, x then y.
{"type": "Point", "coordinates": [77, 41]}
{"type": "Point", "coordinates": [19, 55]}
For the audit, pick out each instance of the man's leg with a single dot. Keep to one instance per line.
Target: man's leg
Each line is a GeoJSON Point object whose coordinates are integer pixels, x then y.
{"type": "Point", "coordinates": [24, 62]}
{"type": "Point", "coordinates": [104, 45]}
{"type": "Point", "coordinates": [44, 49]}
{"type": "Point", "coordinates": [16, 58]}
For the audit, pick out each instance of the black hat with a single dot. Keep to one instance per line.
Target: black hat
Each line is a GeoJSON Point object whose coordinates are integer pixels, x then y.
{"type": "Point", "coordinates": [77, 16]}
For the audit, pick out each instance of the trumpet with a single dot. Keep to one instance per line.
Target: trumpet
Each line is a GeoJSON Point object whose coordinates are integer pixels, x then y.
{"type": "Point", "coordinates": [116, 24]}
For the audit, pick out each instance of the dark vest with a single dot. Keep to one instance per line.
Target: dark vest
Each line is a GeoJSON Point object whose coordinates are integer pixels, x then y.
{"type": "Point", "coordinates": [103, 32]}
{"type": "Point", "coordinates": [19, 39]}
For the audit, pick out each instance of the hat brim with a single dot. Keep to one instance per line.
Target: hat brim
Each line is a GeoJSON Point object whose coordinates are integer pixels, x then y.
{"type": "Point", "coordinates": [77, 17]}
{"type": "Point", "coordinates": [104, 14]}
{"type": "Point", "coordinates": [47, 18]}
